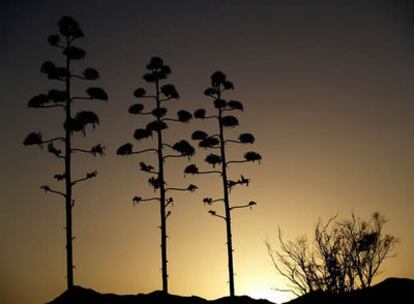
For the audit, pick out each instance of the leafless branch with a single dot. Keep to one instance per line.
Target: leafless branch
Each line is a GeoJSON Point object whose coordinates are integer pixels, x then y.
{"type": "Point", "coordinates": [232, 141]}
{"type": "Point", "coordinates": [78, 76]}
{"type": "Point", "coordinates": [53, 139]}
{"type": "Point", "coordinates": [214, 213]}
{"type": "Point", "coordinates": [210, 201]}
{"type": "Point", "coordinates": [190, 188]}
{"type": "Point", "coordinates": [248, 205]}
{"type": "Point", "coordinates": [144, 151]}
{"type": "Point", "coordinates": [48, 189]}
{"type": "Point", "coordinates": [168, 146]}
{"type": "Point", "coordinates": [51, 106]}
{"type": "Point", "coordinates": [236, 162]}
{"type": "Point", "coordinates": [88, 176]}
{"type": "Point", "coordinates": [137, 199]}
{"type": "Point", "coordinates": [210, 172]}
{"type": "Point", "coordinates": [173, 156]}
{"type": "Point", "coordinates": [80, 98]}
{"type": "Point", "coordinates": [98, 149]}
{"type": "Point", "coordinates": [170, 201]}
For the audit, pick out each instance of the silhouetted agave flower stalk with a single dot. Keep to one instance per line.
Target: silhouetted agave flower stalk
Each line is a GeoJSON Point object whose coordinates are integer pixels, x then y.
{"type": "Point", "coordinates": [162, 95]}
{"type": "Point", "coordinates": [61, 147]}
{"type": "Point", "coordinates": [218, 142]}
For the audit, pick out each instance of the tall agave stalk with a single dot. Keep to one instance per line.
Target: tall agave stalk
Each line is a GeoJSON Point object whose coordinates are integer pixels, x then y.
{"type": "Point", "coordinates": [163, 94]}
{"type": "Point", "coordinates": [219, 142]}
{"type": "Point", "coordinates": [61, 146]}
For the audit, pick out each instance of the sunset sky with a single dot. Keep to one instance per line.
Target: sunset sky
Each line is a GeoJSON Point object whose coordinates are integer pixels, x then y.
{"type": "Point", "coordinates": [328, 92]}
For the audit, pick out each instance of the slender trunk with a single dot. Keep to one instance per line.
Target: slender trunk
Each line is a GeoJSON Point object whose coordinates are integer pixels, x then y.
{"type": "Point", "coordinates": [370, 271]}
{"type": "Point", "coordinates": [162, 202]}
{"type": "Point", "coordinates": [68, 183]}
{"type": "Point", "coordinates": [360, 270]}
{"type": "Point", "coordinates": [227, 206]}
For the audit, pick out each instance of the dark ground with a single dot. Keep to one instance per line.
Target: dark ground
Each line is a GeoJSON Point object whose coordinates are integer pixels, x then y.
{"type": "Point", "coordinates": [392, 290]}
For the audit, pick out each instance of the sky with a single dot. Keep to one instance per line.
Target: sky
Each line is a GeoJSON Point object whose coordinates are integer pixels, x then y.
{"type": "Point", "coordinates": [327, 90]}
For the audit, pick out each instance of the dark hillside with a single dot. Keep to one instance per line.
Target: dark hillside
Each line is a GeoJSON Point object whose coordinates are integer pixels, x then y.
{"type": "Point", "coordinates": [392, 290]}
{"type": "Point", "coordinates": [81, 295]}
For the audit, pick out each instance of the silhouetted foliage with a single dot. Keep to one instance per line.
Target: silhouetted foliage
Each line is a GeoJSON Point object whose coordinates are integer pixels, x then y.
{"type": "Point", "coordinates": [345, 255]}
{"type": "Point", "coordinates": [191, 169]}
{"type": "Point", "coordinates": [213, 159]}
{"type": "Point", "coordinates": [219, 103]}
{"type": "Point", "coordinates": [125, 149]}
{"type": "Point", "coordinates": [200, 113]}
{"type": "Point", "coordinates": [56, 96]}
{"type": "Point", "coordinates": [219, 142]}
{"type": "Point", "coordinates": [74, 53]}
{"type": "Point", "coordinates": [184, 148]}
{"type": "Point", "coordinates": [252, 156]}
{"type": "Point", "coordinates": [140, 92]}
{"type": "Point", "coordinates": [246, 138]}
{"type": "Point", "coordinates": [33, 139]}
{"type": "Point", "coordinates": [158, 71]}
{"type": "Point", "coordinates": [61, 147]}
{"type": "Point", "coordinates": [38, 101]}
{"type": "Point", "coordinates": [199, 135]}
{"type": "Point", "coordinates": [209, 142]}
{"type": "Point", "coordinates": [161, 112]}
{"type": "Point", "coordinates": [97, 93]}
{"type": "Point", "coordinates": [229, 121]}
{"type": "Point", "coordinates": [235, 105]}
{"type": "Point", "coordinates": [184, 116]}
{"type": "Point", "coordinates": [136, 108]}
{"type": "Point", "coordinates": [90, 74]}
{"type": "Point", "coordinates": [156, 126]}
{"type": "Point", "coordinates": [142, 133]}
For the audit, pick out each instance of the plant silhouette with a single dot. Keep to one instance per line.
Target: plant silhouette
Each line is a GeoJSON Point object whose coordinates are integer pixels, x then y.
{"type": "Point", "coordinates": [219, 85]}
{"type": "Point", "coordinates": [163, 93]}
{"type": "Point", "coordinates": [61, 147]}
{"type": "Point", "coordinates": [345, 255]}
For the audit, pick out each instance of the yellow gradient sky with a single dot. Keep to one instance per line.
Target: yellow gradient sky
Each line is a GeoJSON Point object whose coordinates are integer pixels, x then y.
{"type": "Point", "coordinates": [327, 88]}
